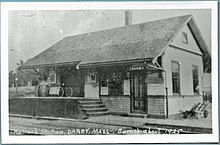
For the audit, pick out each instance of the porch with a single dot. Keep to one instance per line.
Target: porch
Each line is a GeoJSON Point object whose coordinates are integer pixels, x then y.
{"type": "Point", "coordinates": [64, 107]}
{"type": "Point", "coordinates": [119, 89]}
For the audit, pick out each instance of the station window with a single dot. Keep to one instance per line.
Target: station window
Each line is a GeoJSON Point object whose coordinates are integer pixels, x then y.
{"type": "Point", "coordinates": [175, 67]}
{"type": "Point", "coordinates": [116, 84]}
{"type": "Point", "coordinates": [195, 79]}
{"type": "Point", "coordinates": [113, 79]}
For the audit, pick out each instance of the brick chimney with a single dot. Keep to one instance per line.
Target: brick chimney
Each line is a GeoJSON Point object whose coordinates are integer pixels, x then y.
{"type": "Point", "coordinates": [128, 17]}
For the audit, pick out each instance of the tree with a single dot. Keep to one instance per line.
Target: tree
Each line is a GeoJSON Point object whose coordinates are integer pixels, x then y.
{"type": "Point", "coordinates": [12, 76]}
{"type": "Point", "coordinates": [20, 73]}
{"type": "Point", "coordinates": [24, 76]}
{"type": "Point", "coordinates": [20, 63]}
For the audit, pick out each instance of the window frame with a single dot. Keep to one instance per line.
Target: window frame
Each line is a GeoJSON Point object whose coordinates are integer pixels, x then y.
{"type": "Point", "coordinates": [112, 78]}
{"type": "Point", "coordinates": [178, 78]}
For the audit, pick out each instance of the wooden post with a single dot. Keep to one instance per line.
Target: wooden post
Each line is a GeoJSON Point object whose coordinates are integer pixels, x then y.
{"type": "Point", "coordinates": [167, 115]}
{"type": "Point", "coordinates": [16, 81]}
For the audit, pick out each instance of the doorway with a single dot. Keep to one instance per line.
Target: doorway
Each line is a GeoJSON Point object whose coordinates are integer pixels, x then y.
{"type": "Point", "coordinates": [138, 91]}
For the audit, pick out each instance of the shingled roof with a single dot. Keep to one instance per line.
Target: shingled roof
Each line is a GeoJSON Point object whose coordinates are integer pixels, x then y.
{"type": "Point", "coordinates": [127, 43]}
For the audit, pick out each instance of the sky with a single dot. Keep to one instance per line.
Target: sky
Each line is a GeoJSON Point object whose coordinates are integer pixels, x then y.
{"type": "Point", "coordinates": [31, 32]}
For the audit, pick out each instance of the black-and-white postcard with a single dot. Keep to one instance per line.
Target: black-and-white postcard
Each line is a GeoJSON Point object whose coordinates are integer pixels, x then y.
{"type": "Point", "coordinates": [109, 72]}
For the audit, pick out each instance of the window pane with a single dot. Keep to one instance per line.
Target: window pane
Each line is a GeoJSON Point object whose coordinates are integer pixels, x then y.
{"type": "Point", "coordinates": [136, 87]}
{"type": "Point", "coordinates": [113, 79]}
{"type": "Point", "coordinates": [141, 104]}
{"type": "Point", "coordinates": [175, 76]}
{"type": "Point", "coordinates": [175, 67]}
{"type": "Point", "coordinates": [175, 86]}
{"type": "Point", "coordinates": [195, 79]}
{"type": "Point", "coordinates": [136, 104]}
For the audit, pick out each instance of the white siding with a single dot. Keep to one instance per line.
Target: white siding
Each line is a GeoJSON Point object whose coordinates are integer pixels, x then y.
{"type": "Point", "coordinates": [186, 60]}
{"type": "Point", "coordinates": [92, 90]}
{"type": "Point", "coordinates": [187, 55]}
{"type": "Point", "coordinates": [178, 104]}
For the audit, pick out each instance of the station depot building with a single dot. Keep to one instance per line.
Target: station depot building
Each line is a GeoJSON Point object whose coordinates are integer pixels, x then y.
{"type": "Point", "coordinates": [154, 69]}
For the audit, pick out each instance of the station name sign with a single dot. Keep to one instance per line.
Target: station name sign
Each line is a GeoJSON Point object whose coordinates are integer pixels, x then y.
{"type": "Point", "coordinates": [136, 68]}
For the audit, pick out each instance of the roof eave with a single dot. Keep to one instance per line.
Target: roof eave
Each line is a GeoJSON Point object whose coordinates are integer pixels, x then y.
{"type": "Point", "coordinates": [113, 63]}
{"type": "Point", "coordinates": [195, 29]}
{"type": "Point", "coordinates": [48, 65]}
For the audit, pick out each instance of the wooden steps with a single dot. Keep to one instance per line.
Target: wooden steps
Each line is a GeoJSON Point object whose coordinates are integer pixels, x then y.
{"type": "Point", "coordinates": [94, 107]}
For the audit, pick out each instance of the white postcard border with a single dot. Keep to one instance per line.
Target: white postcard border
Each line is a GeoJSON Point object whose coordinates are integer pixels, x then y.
{"type": "Point", "coordinates": [186, 138]}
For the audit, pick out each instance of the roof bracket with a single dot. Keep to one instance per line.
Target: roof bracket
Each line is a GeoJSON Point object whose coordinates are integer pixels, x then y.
{"type": "Point", "coordinates": [38, 73]}
{"type": "Point", "coordinates": [31, 72]}
{"type": "Point", "coordinates": [158, 64]}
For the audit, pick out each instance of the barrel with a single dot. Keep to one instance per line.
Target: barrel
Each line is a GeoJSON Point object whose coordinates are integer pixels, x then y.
{"type": "Point", "coordinates": [44, 90]}
{"type": "Point", "coordinates": [37, 91]}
